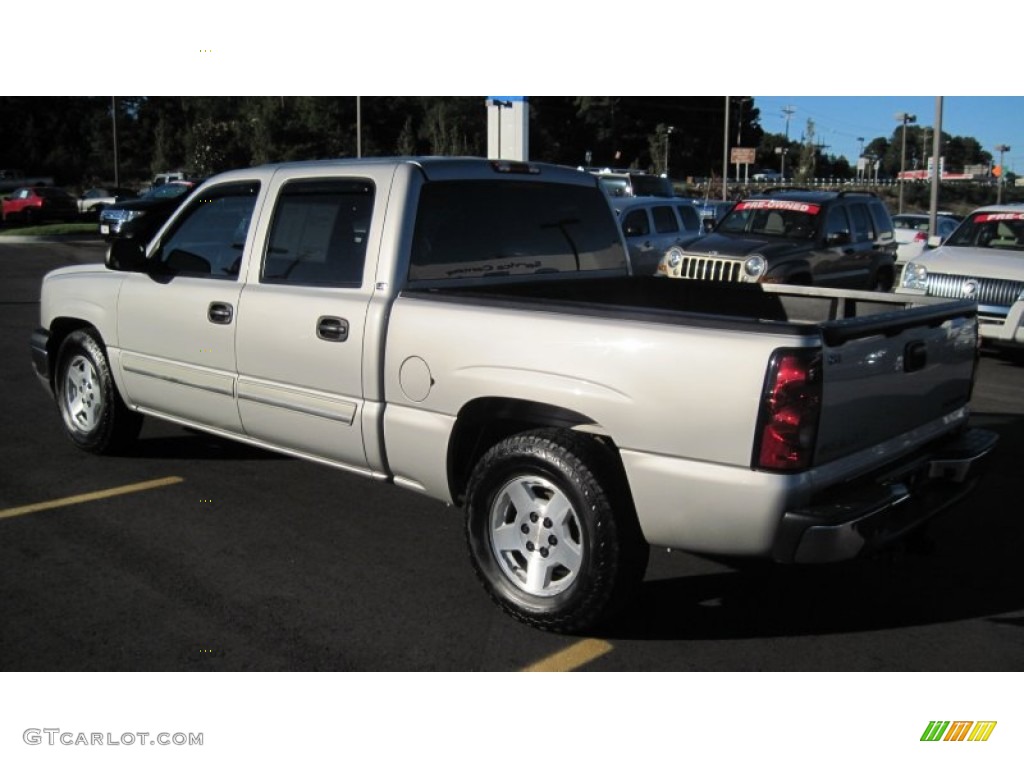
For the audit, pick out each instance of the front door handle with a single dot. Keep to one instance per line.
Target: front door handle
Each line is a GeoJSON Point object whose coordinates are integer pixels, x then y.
{"type": "Point", "coordinates": [331, 328]}
{"type": "Point", "coordinates": [219, 313]}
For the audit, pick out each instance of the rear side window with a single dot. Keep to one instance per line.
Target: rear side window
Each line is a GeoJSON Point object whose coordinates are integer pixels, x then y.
{"type": "Point", "coordinates": [664, 219]}
{"type": "Point", "coordinates": [318, 233]}
{"type": "Point", "coordinates": [484, 228]}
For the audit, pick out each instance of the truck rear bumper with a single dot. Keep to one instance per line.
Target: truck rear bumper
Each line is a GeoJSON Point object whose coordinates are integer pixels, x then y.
{"type": "Point", "coordinates": [868, 515]}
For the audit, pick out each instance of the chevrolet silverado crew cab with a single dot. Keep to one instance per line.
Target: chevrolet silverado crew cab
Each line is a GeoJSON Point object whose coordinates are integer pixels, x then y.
{"type": "Point", "coordinates": [983, 260]}
{"type": "Point", "coordinates": [469, 329]}
{"type": "Point", "coordinates": [801, 237]}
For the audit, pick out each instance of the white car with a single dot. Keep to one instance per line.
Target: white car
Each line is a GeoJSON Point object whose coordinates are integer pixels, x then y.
{"type": "Point", "coordinates": [911, 231]}
{"type": "Point", "coordinates": [96, 199]}
{"type": "Point", "coordinates": [982, 260]}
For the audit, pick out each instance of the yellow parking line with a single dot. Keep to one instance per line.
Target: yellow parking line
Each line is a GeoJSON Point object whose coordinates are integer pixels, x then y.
{"type": "Point", "coordinates": [573, 657]}
{"type": "Point", "coordinates": [84, 497]}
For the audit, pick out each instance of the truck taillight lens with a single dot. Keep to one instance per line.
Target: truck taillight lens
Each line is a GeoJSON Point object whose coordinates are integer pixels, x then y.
{"type": "Point", "coordinates": [921, 237]}
{"type": "Point", "coordinates": [790, 406]}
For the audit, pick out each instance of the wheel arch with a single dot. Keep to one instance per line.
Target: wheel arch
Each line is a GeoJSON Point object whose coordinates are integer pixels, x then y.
{"type": "Point", "coordinates": [486, 421]}
{"type": "Point", "coordinates": [60, 329]}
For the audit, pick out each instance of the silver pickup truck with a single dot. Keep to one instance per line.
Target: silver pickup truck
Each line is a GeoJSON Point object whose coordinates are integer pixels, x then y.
{"type": "Point", "coordinates": [469, 329]}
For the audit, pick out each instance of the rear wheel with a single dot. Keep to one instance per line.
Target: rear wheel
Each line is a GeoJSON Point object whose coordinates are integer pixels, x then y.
{"type": "Point", "coordinates": [552, 535]}
{"type": "Point", "coordinates": [95, 417]}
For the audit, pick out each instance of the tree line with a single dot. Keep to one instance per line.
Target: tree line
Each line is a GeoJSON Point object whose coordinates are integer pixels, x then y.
{"type": "Point", "coordinates": [73, 138]}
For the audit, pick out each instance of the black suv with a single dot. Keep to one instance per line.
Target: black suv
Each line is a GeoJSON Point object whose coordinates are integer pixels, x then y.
{"type": "Point", "coordinates": [802, 237]}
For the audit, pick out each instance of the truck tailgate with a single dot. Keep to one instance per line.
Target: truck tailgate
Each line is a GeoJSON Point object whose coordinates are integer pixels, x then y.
{"type": "Point", "coordinates": [885, 375]}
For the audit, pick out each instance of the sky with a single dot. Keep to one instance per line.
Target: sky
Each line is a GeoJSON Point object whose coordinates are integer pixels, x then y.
{"type": "Point", "coordinates": [840, 120]}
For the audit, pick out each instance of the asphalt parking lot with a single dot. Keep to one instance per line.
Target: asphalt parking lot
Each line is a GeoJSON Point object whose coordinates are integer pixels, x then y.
{"type": "Point", "coordinates": [198, 554]}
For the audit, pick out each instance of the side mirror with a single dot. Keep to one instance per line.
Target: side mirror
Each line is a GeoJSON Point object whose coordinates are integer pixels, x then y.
{"type": "Point", "coordinates": [126, 254]}
{"type": "Point", "coordinates": [935, 241]}
{"type": "Point", "coordinates": [838, 238]}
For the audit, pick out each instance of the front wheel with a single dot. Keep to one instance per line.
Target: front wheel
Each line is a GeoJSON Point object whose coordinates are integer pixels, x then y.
{"type": "Point", "coordinates": [551, 531]}
{"type": "Point", "coordinates": [95, 417]}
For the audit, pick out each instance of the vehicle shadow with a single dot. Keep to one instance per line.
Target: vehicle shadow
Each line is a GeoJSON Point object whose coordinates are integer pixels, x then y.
{"type": "Point", "coordinates": [966, 565]}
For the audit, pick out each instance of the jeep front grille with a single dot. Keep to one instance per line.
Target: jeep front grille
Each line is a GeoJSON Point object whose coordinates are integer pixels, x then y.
{"type": "Point", "coordinates": [709, 268]}
{"type": "Point", "coordinates": [985, 291]}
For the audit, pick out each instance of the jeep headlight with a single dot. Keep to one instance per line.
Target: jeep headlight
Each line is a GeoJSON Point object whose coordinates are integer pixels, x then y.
{"type": "Point", "coordinates": [754, 267]}
{"type": "Point", "coordinates": [915, 276]}
{"type": "Point", "coordinates": [673, 258]}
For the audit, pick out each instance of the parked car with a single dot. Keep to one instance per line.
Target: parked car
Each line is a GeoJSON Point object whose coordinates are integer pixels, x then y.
{"type": "Point", "coordinates": [628, 183]}
{"type": "Point", "coordinates": [766, 176]}
{"type": "Point", "coordinates": [32, 205]}
{"type": "Point", "coordinates": [802, 237]}
{"type": "Point", "coordinates": [911, 231]}
{"type": "Point", "coordinates": [143, 216]}
{"type": "Point", "coordinates": [652, 225]}
{"type": "Point", "coordinates": [96, 199]}
{"type": "Point", "coordinates": [982, 260]}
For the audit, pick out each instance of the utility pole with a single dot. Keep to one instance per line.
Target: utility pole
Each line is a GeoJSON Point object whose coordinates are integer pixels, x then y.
{"type": "Point", "coordinates": [113, 116]}
{"type": "Point", "coordinates": [933, 210]}
{"type": "Point", "coordinates": [787, 112]}
{"type": "Point", "coordinates": [905, 118]}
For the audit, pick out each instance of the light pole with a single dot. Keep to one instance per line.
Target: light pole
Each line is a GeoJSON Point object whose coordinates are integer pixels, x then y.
{"type": "Point", "coordinates": [1001, 149]}
{"type": "Point", "coordinates": [781, 152]}
{"type": "Point", "coordinates": [905, 118]}
{"type": "Point", "coordinates": [668, 132]}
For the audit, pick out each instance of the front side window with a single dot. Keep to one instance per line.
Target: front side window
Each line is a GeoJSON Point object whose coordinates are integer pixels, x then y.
{"type": "Point", "coordinates": [318, 233]}
{"type": "Point", "coordinates": [838, 223]}
{"type": "Point", "coordinates": [690, 217]}
{"type": "Point", "coordinates": [862, 229]}
{"type": "Point", "coordinates": [208, 238]}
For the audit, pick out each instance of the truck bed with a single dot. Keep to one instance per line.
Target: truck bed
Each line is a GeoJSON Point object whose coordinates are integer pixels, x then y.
{"type": "Point", "coordinates": [838, 314]}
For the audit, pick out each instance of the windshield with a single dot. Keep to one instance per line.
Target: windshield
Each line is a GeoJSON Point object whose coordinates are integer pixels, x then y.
{"type": "Point", "coordinates": [991, 230]}
{"type": "Point", "coordinates": [772, 218]}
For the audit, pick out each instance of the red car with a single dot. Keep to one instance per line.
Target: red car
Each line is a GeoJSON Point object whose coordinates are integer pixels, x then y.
{"type": "Point", "coordinates": [35, 204]}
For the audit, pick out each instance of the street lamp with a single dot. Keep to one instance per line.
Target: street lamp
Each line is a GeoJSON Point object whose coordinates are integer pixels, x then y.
{"type": "Point", "coordinates": [1001, 149]}
{"type": "Point", "coordinates": [668, 132]}
{"type": "Point", "coordinates": [905, 118]}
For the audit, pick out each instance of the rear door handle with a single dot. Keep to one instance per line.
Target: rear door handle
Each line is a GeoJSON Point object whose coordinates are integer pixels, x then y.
{"type": "Point", "coordinates": [331, 328]}
{"type": "Point", "coordinates": [219, 313]}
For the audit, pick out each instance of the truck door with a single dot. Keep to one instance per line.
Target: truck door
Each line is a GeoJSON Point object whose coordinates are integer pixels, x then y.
{"type": "Point", "coordinates": [302, 319]}
{"type": "Point", "coordinates": [176, 322]}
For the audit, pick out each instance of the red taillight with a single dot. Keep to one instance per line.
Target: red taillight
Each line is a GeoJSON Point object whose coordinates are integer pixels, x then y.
{"type": "Point", "coordinates": [789, 411]}
{"type": "Point", "coordinates": [920, 237]}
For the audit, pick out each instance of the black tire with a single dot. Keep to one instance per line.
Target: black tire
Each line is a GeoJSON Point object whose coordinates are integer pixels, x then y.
{"type": "Point", "coordinates": [94, 416]}
{"type": "Point", "coordinates": [552, 533]}
{"type": "Point", "coordinates": [883, 282]}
